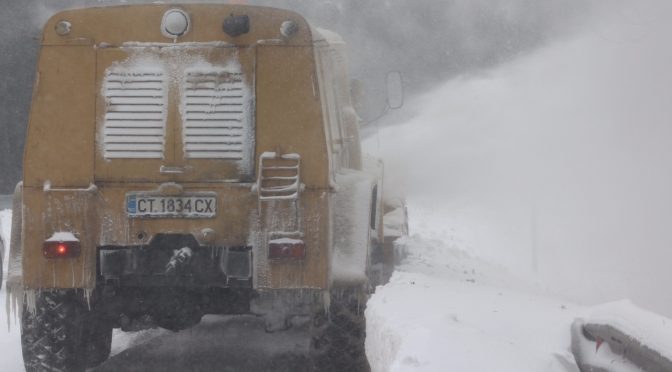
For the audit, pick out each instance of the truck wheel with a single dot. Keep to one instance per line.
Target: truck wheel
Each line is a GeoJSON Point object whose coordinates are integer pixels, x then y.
{"type": "Point", "coordinates": [99, 344]}
{"type": "Point", "coordinates": [338, 337]}
{"type": "Point", "coordinates": [52, 335]}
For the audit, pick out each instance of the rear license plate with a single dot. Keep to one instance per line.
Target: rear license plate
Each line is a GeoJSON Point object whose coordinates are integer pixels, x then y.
{"type": "Point", "coordinates": [185, 206]}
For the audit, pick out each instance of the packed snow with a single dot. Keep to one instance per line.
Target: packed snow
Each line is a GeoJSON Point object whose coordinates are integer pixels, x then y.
{"type": "Point", "coordinates": [62, 236]}
{"type": "Point", "coordinates": [444, 310]}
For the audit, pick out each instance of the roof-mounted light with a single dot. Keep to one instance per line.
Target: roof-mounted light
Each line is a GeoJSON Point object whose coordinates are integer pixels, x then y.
{"type": "Point", "coordinates": [289, 28]}
{"type": "Point", "coordinates": [236, 25]}
{"type": "Point", "coordinates": [63, 28]}
{"type": "Point", "coordinates": [175, 23]}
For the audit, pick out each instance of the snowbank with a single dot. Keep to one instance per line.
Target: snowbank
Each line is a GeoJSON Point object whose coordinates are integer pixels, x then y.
{"type": "Point", "coordinates": [446, 311]}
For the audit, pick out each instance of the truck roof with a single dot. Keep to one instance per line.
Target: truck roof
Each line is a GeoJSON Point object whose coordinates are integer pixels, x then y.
{"type": "Point", "coordinates": [116, 25]}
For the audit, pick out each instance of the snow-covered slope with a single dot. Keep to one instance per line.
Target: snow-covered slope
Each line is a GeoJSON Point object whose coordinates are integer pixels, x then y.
{"type": "Point", "coordinates": [446, 311]}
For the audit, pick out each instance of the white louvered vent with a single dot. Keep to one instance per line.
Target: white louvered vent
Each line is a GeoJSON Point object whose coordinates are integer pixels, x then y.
{"type": "Point", "coordinates": [215, 119]}
{"type": "Point", "coordinates": [135, 119]}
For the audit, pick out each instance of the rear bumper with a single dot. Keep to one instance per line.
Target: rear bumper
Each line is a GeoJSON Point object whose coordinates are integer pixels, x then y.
{"type": "Point", "coordinates": [98, 218]}
{"type": "Point", "coordinates": [202, 267]}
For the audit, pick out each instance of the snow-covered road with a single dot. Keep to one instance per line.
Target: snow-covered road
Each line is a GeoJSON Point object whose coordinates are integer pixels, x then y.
{"type": "Point", "coordinates": [218, 343]}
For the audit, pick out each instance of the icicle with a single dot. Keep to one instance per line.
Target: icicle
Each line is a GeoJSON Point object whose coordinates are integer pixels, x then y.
{"type": "Point", "coordinates": [10, 310]}
{"type": "Point", "coordinates": [14, 301]}
{"type": "Point", "coordinates": [8, 306]}
{"type": "Point", "coordinates": [72, 273]}
{"type": "Point", "coordinates": [326, 299]}
{"type": "Point", "coordinates": [87, 296]}
{"type": "Point", "coordinates": [29, 298]}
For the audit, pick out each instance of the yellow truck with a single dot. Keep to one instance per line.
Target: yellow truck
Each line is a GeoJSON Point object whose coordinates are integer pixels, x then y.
{"type": "Point", "coordinates": [190, 160]}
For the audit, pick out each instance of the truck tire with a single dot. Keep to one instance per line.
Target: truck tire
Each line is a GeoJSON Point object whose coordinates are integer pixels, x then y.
{"type": "Point", "coordinates": [99, 344]}
{"type": "Point", "coordinates": [53, 333]}
{"type": "Point", "coordinates": [338, 336]}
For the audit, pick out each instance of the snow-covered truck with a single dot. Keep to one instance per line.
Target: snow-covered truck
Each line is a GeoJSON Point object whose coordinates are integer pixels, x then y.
{"type": "Point", "coordinates": [191, 160]}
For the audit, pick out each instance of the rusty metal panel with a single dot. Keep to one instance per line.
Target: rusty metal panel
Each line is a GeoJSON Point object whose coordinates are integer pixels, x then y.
{"type": "Point", "coordinates": [313, 270]}
{"type": "Point", "coordinates": [86, 192]}
{"type": "Point", "coordinates": [142, 23]}
{"type": "Point", "coordinates": [289, 113]}
{"type": "Point", "coordinates": [45, 213]}
{"type": "Point", "coordinates": [98, 217]}
{"type": "Point", "coordinates": [59, 145]}
{"type": "Point", "coordinates": [230, 226]}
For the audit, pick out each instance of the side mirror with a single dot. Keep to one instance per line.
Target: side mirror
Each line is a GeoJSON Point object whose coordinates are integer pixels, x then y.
{"type": "Point", "coordinates": [395, 89]}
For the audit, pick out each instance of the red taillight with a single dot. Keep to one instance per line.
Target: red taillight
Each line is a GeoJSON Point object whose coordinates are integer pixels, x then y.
{"type": "Point", "coordinates": [286, 248]}
{"type": "Point", "coordinates": [53, 249]}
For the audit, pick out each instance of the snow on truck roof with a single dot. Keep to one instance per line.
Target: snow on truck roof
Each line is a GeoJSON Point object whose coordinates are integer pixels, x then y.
{"type": "Point", "coordinates": [328, 36]}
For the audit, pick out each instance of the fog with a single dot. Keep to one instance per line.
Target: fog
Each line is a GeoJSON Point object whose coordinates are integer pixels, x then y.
{"type": "Point", "coordinates": [536, 134]}
{"type": "Point", "coordinates": [555, 164]}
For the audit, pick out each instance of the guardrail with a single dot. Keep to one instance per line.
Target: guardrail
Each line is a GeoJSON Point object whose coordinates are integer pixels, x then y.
{"type": "Point", "coordinates": [620, 336]}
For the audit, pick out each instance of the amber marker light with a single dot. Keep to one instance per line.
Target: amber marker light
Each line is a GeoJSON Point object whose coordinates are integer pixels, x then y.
{"type": "Point", "coordinates": [286, 248]}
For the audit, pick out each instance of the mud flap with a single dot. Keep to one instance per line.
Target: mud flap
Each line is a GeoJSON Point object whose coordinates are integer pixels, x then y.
{"type": "Point", "coordinates": [352, 233]}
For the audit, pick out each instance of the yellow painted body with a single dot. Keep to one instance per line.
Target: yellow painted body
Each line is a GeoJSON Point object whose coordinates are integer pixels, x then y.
{"type": "Point", "coordinates": [301, 106]}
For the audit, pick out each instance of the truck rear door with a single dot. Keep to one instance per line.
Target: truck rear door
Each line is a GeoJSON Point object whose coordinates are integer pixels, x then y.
{"type": "Point", "coordinates": [175, 113]}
